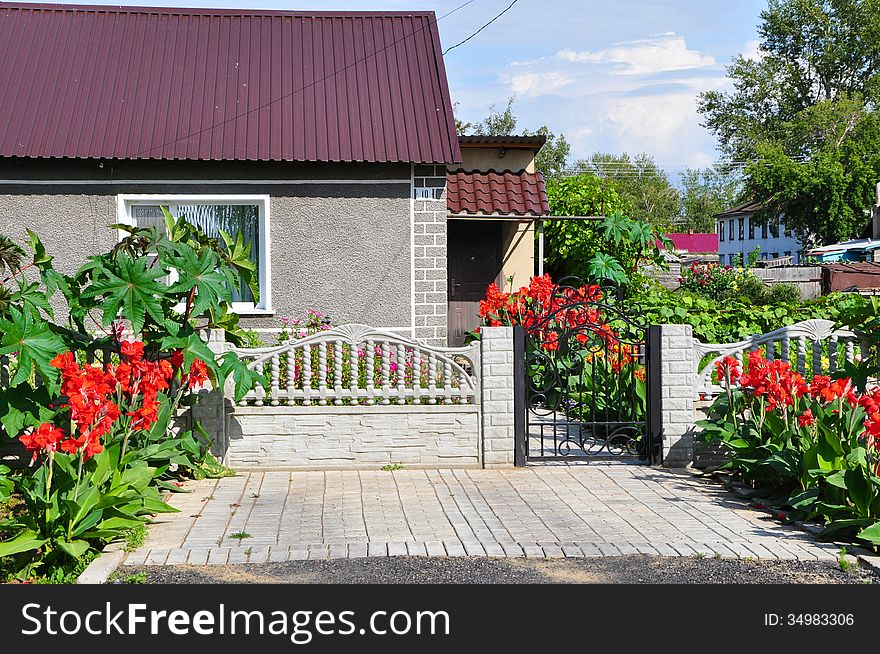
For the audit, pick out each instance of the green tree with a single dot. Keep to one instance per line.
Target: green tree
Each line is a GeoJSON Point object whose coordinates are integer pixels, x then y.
{"type": "Point", "coordinates": [825, 192]}
{"type": "Point", "coordinates": [803, 115]}
{"type": "Point", "coordinates": [552, 159]}
{"type": "Point", "coordinates": [641, 183]}
{"type": "Point", "coordinates": [570, 244]}
{"type": "Point", "coordinates": [706, 192]}
{"type": "Point", "coordinates": [810, 51]}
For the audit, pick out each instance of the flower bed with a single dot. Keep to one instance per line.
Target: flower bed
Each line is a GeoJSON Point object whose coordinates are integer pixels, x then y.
{"type": "Point", "coordinates": [584, 358]}
{"type": "Point", "coordinates": [103, 438]}
{"type": "Point", "coordinates": [815, 443]}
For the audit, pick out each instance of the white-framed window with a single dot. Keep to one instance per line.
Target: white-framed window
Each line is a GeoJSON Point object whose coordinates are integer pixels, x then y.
{"type": "Point", "coordinates": [233, 214]}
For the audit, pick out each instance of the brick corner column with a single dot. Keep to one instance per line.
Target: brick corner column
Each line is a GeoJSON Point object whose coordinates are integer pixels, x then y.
{"type": "Point", "coordinates": [497, 387]}
{"type": "Point", "coordinates": [429, 259]}
{"type": "Point", "coordinates": [678, 383]}
{"type": "Point", "coordinates": [211, 409]}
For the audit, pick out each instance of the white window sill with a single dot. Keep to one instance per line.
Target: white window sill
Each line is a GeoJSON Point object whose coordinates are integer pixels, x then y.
{"type": "Point", "coordinates": [253, 312]}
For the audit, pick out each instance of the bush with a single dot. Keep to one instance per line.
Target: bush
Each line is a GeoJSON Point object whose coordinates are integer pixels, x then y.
{"type": "Point", "coordinates": [817, 442]}
{"type": "Point", "coordinates": [734, 319]}
{"type": "Point", "coordinates": [102, 435]}
{"type": "Point", "coordinates": [783, 293]}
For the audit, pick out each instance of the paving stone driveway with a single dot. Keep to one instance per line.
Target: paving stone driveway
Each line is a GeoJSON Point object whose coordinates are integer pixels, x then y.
{"type": "Point", "coordinates": [548, 511]}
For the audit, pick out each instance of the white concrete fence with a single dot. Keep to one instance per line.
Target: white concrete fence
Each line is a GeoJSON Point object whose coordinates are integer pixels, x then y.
{"type": "Point", "coordinates": [359, 397]}
{"type": "Point", "coordinates": [424, 406]}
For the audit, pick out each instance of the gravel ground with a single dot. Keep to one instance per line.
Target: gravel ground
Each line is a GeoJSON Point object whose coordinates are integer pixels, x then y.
{"type": "Point", "coordinates": [421, 570]}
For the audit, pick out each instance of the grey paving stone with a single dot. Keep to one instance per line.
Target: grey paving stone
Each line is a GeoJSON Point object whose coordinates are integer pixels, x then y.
{"type": "Point", "coordinates": [279, 553]}
{"type": "Point", "coordinates": [587, 510]}
{"type": "Point", "coordinates": [454, 548]}
{"type": "Point", "coordinates": [218, 556]}
{"type": "Point", "coordinates": [377, 549]}
{"type": "Point", "coordinates": [357, 550]}
{"type": "Point", "coordinates": [416, 549]}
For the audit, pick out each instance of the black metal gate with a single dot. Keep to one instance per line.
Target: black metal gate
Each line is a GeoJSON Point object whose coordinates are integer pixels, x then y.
{"type": "Point", "coordinates": [588, 379]}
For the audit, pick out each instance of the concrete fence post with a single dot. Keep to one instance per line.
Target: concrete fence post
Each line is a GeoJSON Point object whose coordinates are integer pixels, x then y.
{"type": "Point", "coordinates": [211, 409]}
{"type": "Point", "coordinates": [497, 383]}
{"type": "Point", "coordinates": [678, 387]}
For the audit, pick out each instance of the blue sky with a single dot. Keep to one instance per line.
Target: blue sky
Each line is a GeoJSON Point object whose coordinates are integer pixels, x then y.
{"type": "Point", "coordinates": [612, 75]}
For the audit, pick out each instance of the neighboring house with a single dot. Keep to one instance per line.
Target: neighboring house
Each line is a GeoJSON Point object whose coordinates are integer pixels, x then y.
{"type": "Point", "coordinates": [739, 232]}
{"type": "Point", "coordinates": [862, 249]}
{"type": "Point", "coordinates": [690, 247]}
{"type": "Point", "coordinates": [494, 200]}
{"type": "Point", "coordinates": [323, 137]}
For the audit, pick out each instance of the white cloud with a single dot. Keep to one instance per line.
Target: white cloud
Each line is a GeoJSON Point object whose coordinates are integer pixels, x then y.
{"type": "Point", "coordinates": [637, 96]}
{"type": "Point", "coordinates": [662, 53]}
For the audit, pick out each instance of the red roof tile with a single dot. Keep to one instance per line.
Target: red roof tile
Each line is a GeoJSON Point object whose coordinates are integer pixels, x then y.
{"type": "Point", "coordinates": [507, 193]}
{"type": "Point", "coordinates": [145, 83]}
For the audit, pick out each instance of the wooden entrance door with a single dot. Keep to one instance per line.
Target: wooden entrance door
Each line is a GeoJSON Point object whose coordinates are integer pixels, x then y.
{"type": "Point", "coordinates": [474, 261]}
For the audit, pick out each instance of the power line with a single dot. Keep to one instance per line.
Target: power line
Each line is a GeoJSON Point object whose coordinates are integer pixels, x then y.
{"type": "Point", "coordinates": [319, 80]}
{"type": "Point", "coordinates": [453, 47]}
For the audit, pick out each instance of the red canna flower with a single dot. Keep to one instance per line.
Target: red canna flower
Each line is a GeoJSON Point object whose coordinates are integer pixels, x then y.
{"type": "Point", "coordinates": [45, 438]}
{"type": "Point", "coordinates": [132, 350]}
{"type": "Point", "coordinates": [806, 418]}
{"type": "Point", "coordinates": [198, 374]}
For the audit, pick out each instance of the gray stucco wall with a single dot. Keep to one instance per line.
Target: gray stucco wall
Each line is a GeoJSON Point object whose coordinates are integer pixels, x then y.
{"type": "Point", "coordinates": [343, 249]}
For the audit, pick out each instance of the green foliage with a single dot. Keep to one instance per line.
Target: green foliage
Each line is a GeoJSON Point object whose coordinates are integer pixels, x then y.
{"type": "Point", "coordinates": [6, 486]}
{"type": "Point", "coordinates": [822, 173]}
{"type": "Point", "coordinates": [810, 50]}
{"type": "Point", "coordinates": [73, 504]}
{"type": "Point", "coordinates": [754, 257]}
{"type": "Point", "coordinates": [734, 319]}
{"type": "Point", "coordinates": [134, 537]}
{"type": "Point", "coordinates": [70, 507]}
{"type": "Point", "coordinates": [11, 255]}
{"type": "Point", "coordinates": [705, 193]}
{"type": "Point", "coordinates": [641, 184]}
{"type": "Point", "coordinates": [240, 535]}
{"type": "Point", "coordinates": [804, 114]}
{"type": "Point", "coordinates": [611, 248]}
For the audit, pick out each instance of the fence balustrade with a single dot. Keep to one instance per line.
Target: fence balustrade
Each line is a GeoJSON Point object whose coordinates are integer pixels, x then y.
{"type": "Point", "coordinates": [362, 365]}
{"type": "Point", "coordinates": [812, 347]}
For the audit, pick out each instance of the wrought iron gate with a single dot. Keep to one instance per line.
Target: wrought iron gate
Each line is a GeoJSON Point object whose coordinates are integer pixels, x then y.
{"type": "Point", "coordinates": [588, 379]}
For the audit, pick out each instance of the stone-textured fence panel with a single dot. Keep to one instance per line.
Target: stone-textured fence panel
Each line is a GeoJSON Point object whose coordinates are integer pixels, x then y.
{"type": "Point", "coordinates": [360, 397]}
{"type": "Point", "coordinates": [354, 437]}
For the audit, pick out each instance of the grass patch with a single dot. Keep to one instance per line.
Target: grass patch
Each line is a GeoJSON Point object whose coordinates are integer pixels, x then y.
{"type": "Point", "coordinates": [135, 578]}
{"type": "Point", "coordinates": [134, 538]}
{"type": "Point", "coordinates": [211, 468]}
{"type": "Point", "coordinates": [240, 535]}
{"type": "Point", "coordinates": [844, 563]}
{"type": "Point", "coordinates": [391, 467]}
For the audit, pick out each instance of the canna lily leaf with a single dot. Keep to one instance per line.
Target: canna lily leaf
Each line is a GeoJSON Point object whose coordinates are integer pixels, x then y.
{"type": "Point", "coordinates": [26, 541]}
{"type": "Point", "coordinates": [75, 548]}
{"type": "Point", "coordinates": [871, 534]}
{"type": "Point", "coordinates": [193, 348]}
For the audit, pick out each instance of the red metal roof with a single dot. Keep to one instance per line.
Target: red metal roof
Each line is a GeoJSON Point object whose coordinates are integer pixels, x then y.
{"type": "Point", "coordinates": [696, 243]}
{"type": "Point", "coordinates": [487, 193]}
{"type": "Point", "coordinates": [144, 83]}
